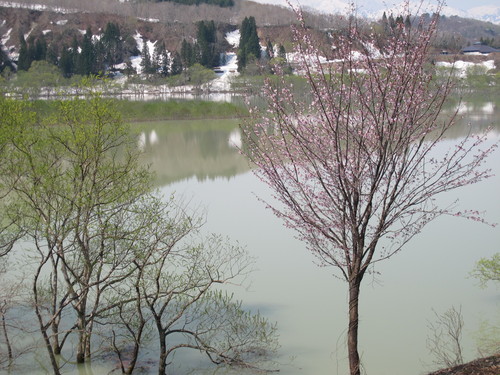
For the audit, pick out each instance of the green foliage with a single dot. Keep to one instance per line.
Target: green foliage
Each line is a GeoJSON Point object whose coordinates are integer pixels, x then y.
{"type": "Point", "coordinates": [79, 196]}
{"type": "Point", "coordinates": [197, 75]}
{"type": "Point", "coordinates": [41, 75]}
{"type": "Point", "coordinates": [173, 109]}
{"type": "Point", "coordinates": [205, 51]}
{"type": "Point", "coordinates": [249, 42]}
{"type": "Point", "coordinates": [487, 270]}
{"type": "Point", "coordinates": [488, 337]}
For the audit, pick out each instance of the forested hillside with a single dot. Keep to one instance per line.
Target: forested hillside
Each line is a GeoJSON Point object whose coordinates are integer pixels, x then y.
{"type": "Point", "coordinates": [100, 36]}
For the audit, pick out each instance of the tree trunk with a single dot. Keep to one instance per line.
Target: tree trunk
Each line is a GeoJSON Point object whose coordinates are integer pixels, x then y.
{"type": "Point", "coordinates": [352, 333]}
{"type": "Point", "coordinates": [80, 349]}
{"type": "Point", "coordinates": [162, 365]}
{"type": "Point", "coordinates": [53, 360]}
{"type": "Point", "coordinates": [7, 341]}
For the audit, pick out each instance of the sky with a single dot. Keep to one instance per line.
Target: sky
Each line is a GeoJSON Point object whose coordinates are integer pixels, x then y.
{"type": "Point", "coordinates": [370, 6]}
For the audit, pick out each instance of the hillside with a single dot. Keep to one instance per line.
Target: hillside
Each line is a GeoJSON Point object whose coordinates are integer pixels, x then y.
{"type": "Point", "coordinates": [59, 23]}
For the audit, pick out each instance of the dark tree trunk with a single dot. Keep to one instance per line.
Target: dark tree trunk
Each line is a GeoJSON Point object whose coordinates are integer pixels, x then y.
{"type": "Point", "coordinates": [162, 365]}
{"type": "Point", "coordinates": [352, 333]}
{"type": "Point", "coordinates": [53, 360]}
{"type": "Point", "coordinates": [7, 341]}
{"type": "Point", "coordinates": [80, 349]}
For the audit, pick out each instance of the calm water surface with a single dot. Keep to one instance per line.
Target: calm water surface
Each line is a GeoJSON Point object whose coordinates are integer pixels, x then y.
{"type": "Point", "coordinates": [199, 162]}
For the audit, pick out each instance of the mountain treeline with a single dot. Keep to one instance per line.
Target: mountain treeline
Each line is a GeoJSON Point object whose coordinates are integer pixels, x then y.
{"type": "Point", "coordinates": [221, 3]}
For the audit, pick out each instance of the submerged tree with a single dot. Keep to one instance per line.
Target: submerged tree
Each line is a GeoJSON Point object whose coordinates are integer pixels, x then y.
{"type": "Point", "coordinates": [357, 163]}
{"type": "Point", "coordinates": [107, 251]}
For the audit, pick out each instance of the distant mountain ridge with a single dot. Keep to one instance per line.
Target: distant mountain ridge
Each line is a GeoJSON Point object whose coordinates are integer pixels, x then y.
{"type": "Point", "coordinates": [375, 9]}
{"type": "Point", "coordinates": [489, 13]}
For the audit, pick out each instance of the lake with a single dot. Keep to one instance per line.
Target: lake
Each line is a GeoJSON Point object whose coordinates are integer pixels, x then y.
{"type": "Point", "coordinates": [198, 161]}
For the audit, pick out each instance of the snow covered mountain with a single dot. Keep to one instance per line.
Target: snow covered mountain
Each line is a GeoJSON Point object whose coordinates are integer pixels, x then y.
{"type": "Point", "coordinates": [488, 13]}
{"type": "Point", "coordinates": [374, 9]}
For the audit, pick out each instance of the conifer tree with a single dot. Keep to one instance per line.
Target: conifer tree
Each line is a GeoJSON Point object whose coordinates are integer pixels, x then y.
{"type": "Point", "coordinates": [67, 62]}
{"type": "Point", "coordinates": [40, 49]}
{"type": "Point", "coordinates": [24, 61]}
{"type": "Point", "coordinates": [112, 44]}
{"type": "Point", "coordinates": [87, 56]}
{"type": "Point", "coordinates": [146, 60]}
{"type": "Point", "coordinates": [187, 55]}
{"type": "Point", "coordinates": [249, 42]}
{"type": "Point", "coordinates": [206, 39]}
{"type": "Point", "coordinates": [176, 67]}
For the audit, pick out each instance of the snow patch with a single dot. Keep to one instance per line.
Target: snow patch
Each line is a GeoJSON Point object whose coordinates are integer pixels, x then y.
{"type": "Point", "coordinates": [137, 60]}
{"type": "Point", "coordinates": [62, 22]}
{"type": "Point", "coordinates": [461, 67]}
{"type": "Point", "coordinates": [39, 7]}
{"type": "Point", "coordinates": [228, 71]}
{"type": "Point", "coordinates": [45, 32]}
{"type": "Point", "coordinates": [233, 38]}
{"type": "Point", "coordinates": [28, 34]}
{"type": "Point", "coordinates": [152, 20]}
{"type": "Point", "coordinates": [6, 37]}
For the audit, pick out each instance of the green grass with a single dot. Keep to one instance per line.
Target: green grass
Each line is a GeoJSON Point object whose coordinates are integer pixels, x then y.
{"type": "Point", "coordinates": [175, 110]}
{"type": "Point", "coordinates": [137, 111]}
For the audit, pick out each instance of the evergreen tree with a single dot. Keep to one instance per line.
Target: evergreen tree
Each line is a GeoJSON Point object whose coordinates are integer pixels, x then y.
{"type": "Point", "coordinates": [146, 64]}
{"type": "Point", "coordinates": [176, 67]}
{"type": "Point", "coordinates": [31, 48]}
{"type": "Point", "coordinates": [392, 22]}
{"type": "Point", "coordinates": [67, 62]}
{"type": "Point", "coordinates": [269, 50]}
{"type": "Point", "coordinates": [187, 54]}
{"type": "Point", "coordinates": [129, 70]}
{"type": "Point", "coordinates": [206, 39]}
{"type": "Point", "coordinates": [53, 54]}
{"type": "Point", "coordinates": [161, 60]}
{"type": "Point", "coordinates": [157, 58]}
{"type": "Point", "coordinates": [24, 60]}
{"type": "Point", "coordinates": [87, 56]}
{"type": "Point", "coordinates": [40, 49]}
{"type": "Point", "coordinates": [249, 42]}
{"type": "Point", "coordinates": [282, 51]}
{"type": "Point", "coordinates": [75, 54]}
{"type": "Point", "coordinates": [407, 23]}
{"type": "Point", "coordinates": [112, 44]}
{"type": "Point", "coordinates": [385, 24]}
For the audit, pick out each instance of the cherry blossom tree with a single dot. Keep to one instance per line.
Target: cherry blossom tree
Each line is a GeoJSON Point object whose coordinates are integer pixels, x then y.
{"type": "Point", "coordinates": [356, 162]}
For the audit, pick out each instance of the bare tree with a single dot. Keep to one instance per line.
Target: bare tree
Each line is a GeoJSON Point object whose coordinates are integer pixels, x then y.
{"type": "Point", "coordinates": [172, 294]}
{"type": "Point", "coordinates": [14, 323]}
{"type": "Point", "coordinates": [445, 335]}
{"type": "Point", "coordinates": [356, 162]}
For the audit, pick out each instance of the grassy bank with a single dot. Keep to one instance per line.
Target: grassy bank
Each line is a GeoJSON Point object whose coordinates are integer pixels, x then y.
{"type": "Point", "coordinates": [138, 111]}
{"type": "Point", "coordinates": [175, 110]}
